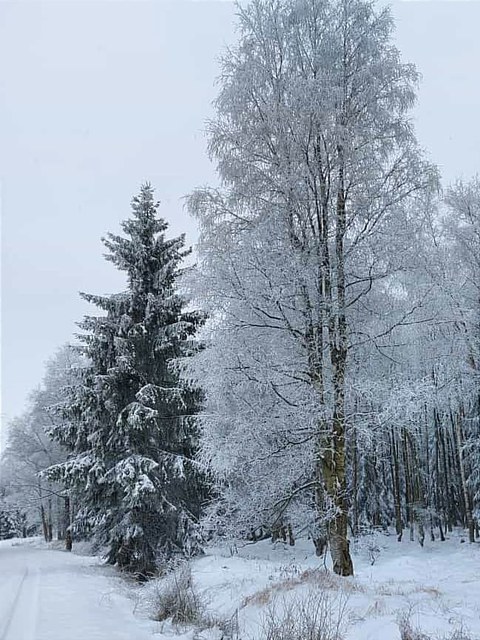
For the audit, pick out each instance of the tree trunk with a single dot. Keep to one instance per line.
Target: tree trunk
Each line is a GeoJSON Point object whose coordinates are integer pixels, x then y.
{"type": "Point", "coordinates": [418, 491]}
{"type": "Point", "coordinates": [50, 522]}
{"type": "Point", "coordinates": [43, 515]}
{"type": "Point", "coordinates": [59, 519]}
{"type": "Point", "coordinates": [408, 484]}
{"type": "Point", "coordinates": [44, 522]}
{"type": "Point", "coordinates": [66, 514]}
{"type": "Point", "coordinates": [330, 471]}
{"type": "Point", "coordinates": [440, 491]}
{"type": "Point", "coordinates": [466, 496]}
{"type": "Point", "coordinates": [396, 489]}
{"type": "Point", "coordinates": [334, 456]}
{"type": "Point", "coordinates": [331, 474]}
{"type": "Point", "coordinates": [355, 482]}
{"type": "Point", "coordinates": [68, 541]}
{"type": "Point", "coordinates": [320, 540]}
{"type": "Point", "coordinates": [291, 539]}
{"type": "Point", "coordinates": [447, 493]}
{"type": "Point", "coordinates": [335, 484]}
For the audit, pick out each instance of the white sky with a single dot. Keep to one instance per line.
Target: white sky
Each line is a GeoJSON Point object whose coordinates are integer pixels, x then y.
{"type": "Point", "coordinates": [97, 96]}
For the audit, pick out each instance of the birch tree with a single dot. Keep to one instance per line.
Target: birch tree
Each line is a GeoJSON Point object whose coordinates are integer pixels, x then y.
{"type": "Point", "coordinates": [317, 214]}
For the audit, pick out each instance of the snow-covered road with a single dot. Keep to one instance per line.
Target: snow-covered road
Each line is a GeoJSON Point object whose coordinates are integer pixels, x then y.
{"type": "Point", "coordinates": [54, 595]}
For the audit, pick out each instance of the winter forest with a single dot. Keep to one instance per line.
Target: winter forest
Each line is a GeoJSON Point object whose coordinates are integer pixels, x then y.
{"type": "Point", "coordinates": [308, 374]}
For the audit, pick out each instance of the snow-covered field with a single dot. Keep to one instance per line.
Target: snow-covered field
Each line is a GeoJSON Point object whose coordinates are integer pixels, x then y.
{"type": "Point", "coordinates": [435, 587]}
{"type": "Point", "coordinates": [48, 594]}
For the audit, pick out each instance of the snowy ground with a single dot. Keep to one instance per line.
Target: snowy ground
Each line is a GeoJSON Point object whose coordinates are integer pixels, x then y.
{"type": "Point", "coordinates": [437, 586]}
{"type": "Point", "coordinates": [52, 595]}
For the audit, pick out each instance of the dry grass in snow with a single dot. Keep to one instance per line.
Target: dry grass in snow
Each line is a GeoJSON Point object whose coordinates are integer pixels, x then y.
{"type": "Point", "coordinates": [276, 592]}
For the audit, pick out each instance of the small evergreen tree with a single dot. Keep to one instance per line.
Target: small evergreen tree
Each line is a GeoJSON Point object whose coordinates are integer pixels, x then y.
{"type": "Point", "coordinates": [128, 421]}
{"type": "Point", "coordinates": [12, 521]}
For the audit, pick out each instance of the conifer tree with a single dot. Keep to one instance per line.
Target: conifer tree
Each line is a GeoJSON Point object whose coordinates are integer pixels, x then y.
{"type": "Point", "coordinates": [10, 521]}
{"type": "Point", "coordinates": [127, 421]}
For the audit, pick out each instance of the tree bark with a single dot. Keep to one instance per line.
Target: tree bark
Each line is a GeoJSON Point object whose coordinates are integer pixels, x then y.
{"type": "Point", "coordinates": [66, 514]}
{"type": "Point", "coordinates": [334, 456]}
{"type": "Point", "coordinates": [44, 522]}
{"type": "Point", "coordinates": [408, 484]}
{"type": "Point", "coordinates": [355, 482]}
{"type": "Point", "coordinates": [50, 521]}
{"type": "Point", "coordinates": [396, 488]}
{"type": "Point", "coordinates": [463, 477]}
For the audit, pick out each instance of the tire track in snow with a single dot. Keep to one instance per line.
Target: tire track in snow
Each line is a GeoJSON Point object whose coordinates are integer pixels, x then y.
{"type": "Point", "coordinates": [13, 607]}
{"type": "Point", "coordinates": [31, 593]}
{"type": "Point", "coordinates": [21, 622]}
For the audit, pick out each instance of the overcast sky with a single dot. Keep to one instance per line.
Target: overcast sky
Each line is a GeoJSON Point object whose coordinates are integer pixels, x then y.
{"type": "Point", "coordinates": [96, 97]}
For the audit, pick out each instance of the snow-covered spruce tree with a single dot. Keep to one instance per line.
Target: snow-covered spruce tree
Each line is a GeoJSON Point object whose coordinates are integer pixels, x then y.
{"type": "Point", "coordinates": [12, 520]}
{"type": "Point", "coordinates": [8, 524]}
{"type": "Point", "coordinates": [316, 217]}
{"type": "Point", "coordinates": [127, 421]}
